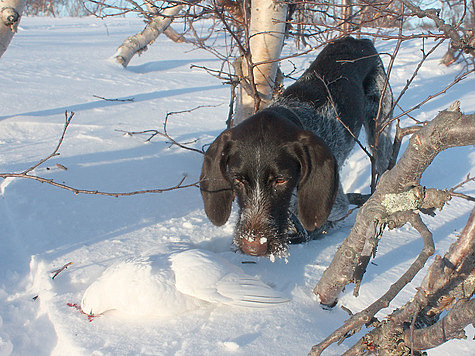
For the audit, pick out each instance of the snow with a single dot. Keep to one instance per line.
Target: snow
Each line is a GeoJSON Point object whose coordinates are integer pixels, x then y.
{"type": "Point", "coordinates": [59, 64]}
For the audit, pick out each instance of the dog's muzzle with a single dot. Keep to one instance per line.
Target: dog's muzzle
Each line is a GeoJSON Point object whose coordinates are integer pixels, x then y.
{"type": "Point", "coordinates": [256, 246]}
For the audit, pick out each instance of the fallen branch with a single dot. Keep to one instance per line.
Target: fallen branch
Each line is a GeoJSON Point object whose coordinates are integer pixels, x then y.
{"type": "Point", "coordinates": [448, 129]}
{"type": "Point", "coordinates": [448, 284]}
{"type": "Point", "coordinates": [397, 198]}
{"type": "Point", "coordinates": [356, 321]}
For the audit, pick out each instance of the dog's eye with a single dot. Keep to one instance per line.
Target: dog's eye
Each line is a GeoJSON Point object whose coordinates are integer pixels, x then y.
{"type": "Point", "coordinates": [238, 181]}
{"type": "Point", "coordinates": [279, 181]}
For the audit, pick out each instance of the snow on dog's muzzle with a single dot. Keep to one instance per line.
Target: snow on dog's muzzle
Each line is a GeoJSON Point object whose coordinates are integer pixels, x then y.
{"type": "Point", "coordinates": [254, 246]}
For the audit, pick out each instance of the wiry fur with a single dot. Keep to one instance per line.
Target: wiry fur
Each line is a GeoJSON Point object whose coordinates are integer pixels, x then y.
{"type": "Point", "coordinates": [283, 161]}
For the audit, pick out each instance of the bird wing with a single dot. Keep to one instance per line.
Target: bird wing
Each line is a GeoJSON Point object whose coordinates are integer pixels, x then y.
{"type": "Point", "coordinates": [208, 276]}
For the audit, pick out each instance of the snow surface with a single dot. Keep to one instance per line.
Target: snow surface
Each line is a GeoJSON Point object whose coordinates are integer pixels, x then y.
{"type": "Point", "coordinates": [58, 64]}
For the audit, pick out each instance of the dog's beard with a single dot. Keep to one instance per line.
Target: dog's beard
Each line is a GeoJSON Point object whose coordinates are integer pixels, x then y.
{"type": "Point", "coordinates": [258, 236]}
{"type": "Point", "coordinates": [258, 231]}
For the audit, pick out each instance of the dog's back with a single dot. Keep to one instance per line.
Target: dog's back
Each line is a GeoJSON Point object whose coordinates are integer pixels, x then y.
{"type": "Point", "coordinates": [346, 71]}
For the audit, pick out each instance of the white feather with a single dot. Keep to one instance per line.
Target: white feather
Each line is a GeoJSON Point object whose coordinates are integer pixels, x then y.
{"type": "Point", "coordinates": [151, 287]}
{"type": "Point", "coordinates": [208, 276]}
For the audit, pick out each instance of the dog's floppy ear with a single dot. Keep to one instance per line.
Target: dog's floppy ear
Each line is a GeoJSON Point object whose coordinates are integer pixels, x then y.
{"type": "Point", "coordinates": [318, 184]}
{"type": "Point", "coordinates": [216, 190]}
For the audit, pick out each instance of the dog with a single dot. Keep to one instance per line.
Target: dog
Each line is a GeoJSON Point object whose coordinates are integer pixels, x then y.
{"type": "Point", "coordinates": [283, 163]}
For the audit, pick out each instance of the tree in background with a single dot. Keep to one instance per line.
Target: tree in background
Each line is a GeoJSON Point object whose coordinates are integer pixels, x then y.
{"type": "Point", "coordinates": [10, 14]}
{"type": "Point", "coordinates": [256, 31]}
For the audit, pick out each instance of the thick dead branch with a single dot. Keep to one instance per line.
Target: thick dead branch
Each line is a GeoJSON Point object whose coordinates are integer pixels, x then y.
{"type": "Point", "coordinates": [398, 190]}
{"type": "Point", "coordinates": [356, 321]}
{"type": "Point", "coordinates": [450, 327]}
{"type": "Point", "coordinates": [449, 281]}
{"type": "Point", "coordinates": [398, 195]}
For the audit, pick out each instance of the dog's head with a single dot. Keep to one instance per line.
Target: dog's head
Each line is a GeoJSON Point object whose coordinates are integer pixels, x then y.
{"type": "Point", "coordinates": [261, 162]}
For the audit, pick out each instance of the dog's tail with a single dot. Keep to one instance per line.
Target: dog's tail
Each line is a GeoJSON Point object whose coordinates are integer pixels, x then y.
{"type": "Point", "coordinates": [378, 118]}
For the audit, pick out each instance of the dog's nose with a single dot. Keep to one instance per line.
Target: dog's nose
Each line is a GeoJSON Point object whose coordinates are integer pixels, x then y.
{"type": "Point", "coordinates": [254, 246]}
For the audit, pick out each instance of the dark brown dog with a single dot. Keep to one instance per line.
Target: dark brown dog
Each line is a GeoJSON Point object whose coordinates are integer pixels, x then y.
{"type": "Point", "coordinates": [294, 148]}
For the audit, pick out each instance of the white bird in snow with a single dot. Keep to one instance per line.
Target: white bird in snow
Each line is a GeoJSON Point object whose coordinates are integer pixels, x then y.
{"type": "Point", "coordinates": [153, 287]}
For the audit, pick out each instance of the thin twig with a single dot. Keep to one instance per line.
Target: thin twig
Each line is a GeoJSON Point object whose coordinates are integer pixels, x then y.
{"type": "Point", "coordinates": [55, 152]}
{"type": "Point", "coordinates": [154, 132]}
{"type": "Point", "coordinates": [461, 195]}
{"type": "Point", "coordinates": [337, 116]}
{"type": "Point", "coordinates": [77, 191]}
{"type": "Point", "coordinates": [59, 270]}
{"type": "Point", "coordinates": [430, 97]}
{"type": "Point", "coordinates": [107, 99]}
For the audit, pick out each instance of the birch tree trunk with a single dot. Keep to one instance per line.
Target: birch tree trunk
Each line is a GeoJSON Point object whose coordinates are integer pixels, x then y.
{"type": "Point", "coordinates": [346, 14]}
{"type": "Point", "coordinates": [10, 14]}
{"type": "Point", "coordinates": [139, 42]}
{"type": "Point", "coordinates": [169, 32]}
{"type": "Point", "coordinates": [266, 38]}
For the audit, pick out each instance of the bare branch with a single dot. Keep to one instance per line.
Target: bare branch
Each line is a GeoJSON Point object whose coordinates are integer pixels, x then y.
{"type": "Point", "coordinates": [356, 321]}
{"type": "Point", "coordinates": [432, 96]}
{"type": "Point", "coordinates": [77, 191]}
{"type": "Point", "coordinates": [26, 174]}
{"type": "Point", "coordinates": [460, 195]}
{"type": "Point", "coordinates": [59, 270]}
{"type": "Point", "coordinates": [55, 152]}
{"type": "Point", "coordinates": [154, 132]}
{"type": "Point", "coordinates": [450, 327]}
{"type": "Point", "coordinates": [449, 31]}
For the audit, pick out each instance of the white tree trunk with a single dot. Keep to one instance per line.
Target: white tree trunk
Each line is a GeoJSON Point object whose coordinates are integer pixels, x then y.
{"type": "Point", "coordinates": [169, 32]}
{"type": "Point", "coordinates": [10, 14]}
{"type": "Point", "coordinates": [140, 41]}
{"type": "Point", "coordinates": [346, 13]}
{"type": "Point", "coordinates": [266, 38]}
